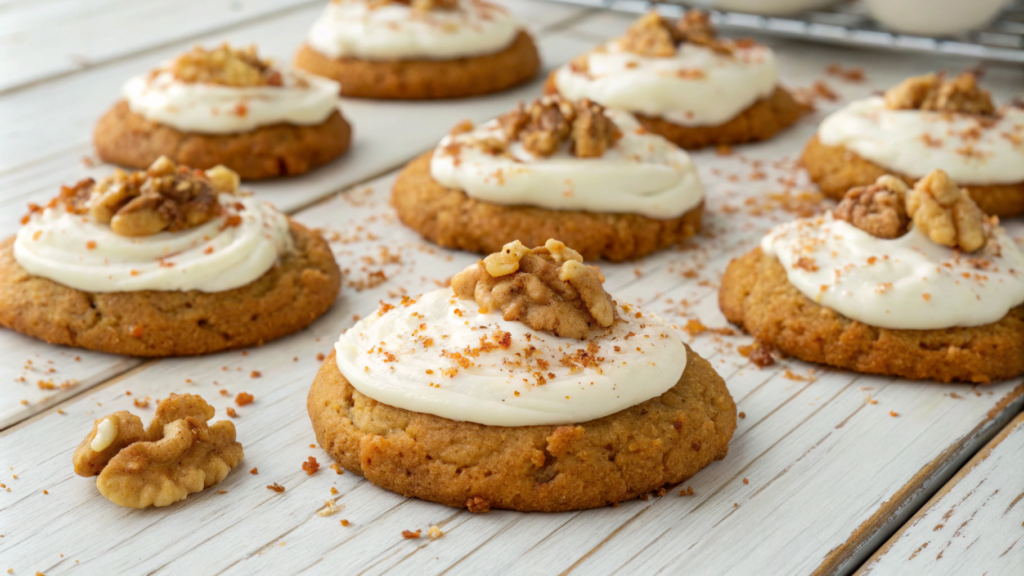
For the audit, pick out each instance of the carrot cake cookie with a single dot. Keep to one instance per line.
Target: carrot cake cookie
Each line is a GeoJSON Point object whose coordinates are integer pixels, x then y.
{"type": "Point", "coordinates": [522, 386]}
{"type": "Point", "coordinates": [905, 282]}
{"type": "Point", "coordinates": [554, 169]}
{"type": "Point", "coordinates": [684, 82]}
{"type": "Point", "coordinates": [170, 261]}
{"type": "Point", "coordinates": [229, 107]}
{"type": "Point", "coordinates": [925, 123]}
{"type": "Point", "coordinates": [419, 49]}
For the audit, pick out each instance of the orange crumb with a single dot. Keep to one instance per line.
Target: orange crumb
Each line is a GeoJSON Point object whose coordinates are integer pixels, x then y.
{"type": "Point", "coordinates": [310, 465]}
{"type": "Point", "coordinates": [408, 535]}
{"type": "Point", "coordinates": [254, 471]}
{"type": "Point", "coordinates": [276, 487]}
{"type": "Point", "coordinates": [244, 398]}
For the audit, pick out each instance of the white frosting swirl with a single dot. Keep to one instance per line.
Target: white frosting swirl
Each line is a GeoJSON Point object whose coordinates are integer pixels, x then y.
{"type": "Point", "coordinates": [971, 149]}
{"type": "Point", "coordinates": [642, 173]}
{"type": "Point", "coordinates": [351, 28]}
{"type": "Point", "coordinates": [303, 99]}
{"type": "Point", "coordinates": [403, 357]}
{"type": "Point", "coordinates": [906, 283]}
{"type": "Point", "coordinates": [695, 87]}
{"type": "Point", "coordinates": [77, 252]}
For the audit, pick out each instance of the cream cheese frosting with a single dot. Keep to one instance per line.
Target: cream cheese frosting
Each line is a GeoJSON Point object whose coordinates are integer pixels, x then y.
{"type": "Point", "coordinates": [352, 28]}
{"type": "Point", "coordinates": [440, 355]}
{"type": "Point", "coordinates": [971, 149]}
{"type": "Point", "coordinates": [695, 87]}
{"type": "Point", "coordinates": [302, 99]}
{"type": "Point", "coordinates": [227, 252]}
{"type": "Point", "coordinates": [642, 173]}
{"type": "Point", "coordinates": [906, 283]}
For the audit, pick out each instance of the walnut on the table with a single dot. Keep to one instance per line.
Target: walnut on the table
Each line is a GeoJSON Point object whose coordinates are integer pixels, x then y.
{"type": "Point", "coordinates": [654, 35]}
{"type": "Point", "coordinates": [934, 92]}
{"type": "Point", "coordinates": [547, 288]}
{"type": "Point", "coordinates": [946, 213]}
{"type": "Point", "coordinates": [177, 455]}
{"type": "Point", "coordinates": [549, 121]}
{"type": "Point", "coordinates": [878, 209]}
{"type": "Point", "coordinates": [164, 197]}
{"type": "Point", "coordinates": [226, 66]}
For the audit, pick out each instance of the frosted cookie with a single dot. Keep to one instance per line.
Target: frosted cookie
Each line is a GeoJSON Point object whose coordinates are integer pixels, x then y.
{"type": "Point", "coordinates": [179, 454]}
{"type": "Point", "coordinates": [522, 386]}
{"type": "Point", "coordinates": [556, 169]}
{"type": "Point", "coordinates": [684, 82]}
{"type": "Point", "coordinates": [419, 49]}
{"type": "Point", "coordinates": [227, 107]}
{"type": "Point", "coordinates": [905, 282]}
{"type": "Point", "coordinates": [166, 262]}
{"type": "Point", "coordinates": [925, 123]}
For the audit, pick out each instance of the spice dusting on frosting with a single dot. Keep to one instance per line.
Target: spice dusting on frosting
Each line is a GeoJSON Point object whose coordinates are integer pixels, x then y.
{"type": "Point", "coordinates": [551, 121]}
{"type": "Point", "coordinates": [165, 197]}
{"type": "Point", "coordinates": [934, 92]}
{"type": "Point", "coordinates": [938, 207]}
{"type": "Point", "coordinates": [226, 66]}
{"type": "Point", "coordinates": [547, 288]}
{"type": "Point", "coordinates": [654, 35]}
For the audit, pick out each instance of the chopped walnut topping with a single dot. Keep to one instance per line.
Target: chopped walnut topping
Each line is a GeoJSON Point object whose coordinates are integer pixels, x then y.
{"type": "Point", "coordinates": [164, 197]}
{"type": "Point", "coordinates": [550, 121]}
{"type": "Point", "coordinates": [934, 92]}
{"type": "Point", "coordinates": [654, 35]}
{"type": "Point", "coordinates": [177, 455]}
{"type": "Point", "coordinates": [878, 209]}
{"type": "Point", "coordinates": [547, 288]}
{"type": "Point", "coordinates": [226, 66]}
{"type": "Point", "coordinates": [946, 213]}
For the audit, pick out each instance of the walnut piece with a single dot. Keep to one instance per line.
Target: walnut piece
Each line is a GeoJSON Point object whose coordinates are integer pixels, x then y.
{"type": "Point", "coordinates": [225, 66]}
{"type": "Point", "coordinates": [655, 36]}
{"type": "Point", "coordinates": [934, 92]}
{"type": "Point", "coordinates": [549, 121]}
{"type": "Point", "coordinates": [164, 197]}
{"type": "Point", "coordinates": [947, 213]}
{"type": "Point", "coordinates": [177, 455]}
{"type": "Point", "coordinates": [547, 288]}
{"type": "Point", "coordinates": [878, 209]}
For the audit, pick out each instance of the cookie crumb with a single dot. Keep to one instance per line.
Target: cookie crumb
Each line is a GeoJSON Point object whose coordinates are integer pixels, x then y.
{"type": "Point", "coordinates": [254, 471]}
{"type": "Point", "coordinates": [345, 523]}
{"type": "Point", "coordinates": [276, 487]}
{"type": "Point", "coordinates": [687, 492]}
{"type": "Point", "coordinates": [478, 505]}
{"type": "Point", "coordinates": [409, 535]}
{"type": "Point", "coordinates": [893, 413]}
{"type": "Point", "coordinates": [435, 533]}
{"type": "Point", "coordinates": [310, 465]}
{"type": "Point", "coordinates": [243, 398]}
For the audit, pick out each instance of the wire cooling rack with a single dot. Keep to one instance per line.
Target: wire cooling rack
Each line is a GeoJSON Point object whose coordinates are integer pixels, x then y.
{"type": "Point", "coordinates": [849, 24]}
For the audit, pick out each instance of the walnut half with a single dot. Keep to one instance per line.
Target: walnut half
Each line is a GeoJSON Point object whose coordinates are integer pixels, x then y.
{"type": "Point", "coordinates": [547, 288]}
{"type": "Point", "coordinates": [934, 92]}
{"type": "Point", "coordinates": [225, 66]}
{"type": "Point", "coordinates": [550, 121]}
{"type": "Point", "coordinates": [878, 209]}
{"type": "Point", "coordinates": [655, 36]}
{"type": "Point", "coordinates": [179, 454]}
{"type": "Point", "coordinates": [946, 213]}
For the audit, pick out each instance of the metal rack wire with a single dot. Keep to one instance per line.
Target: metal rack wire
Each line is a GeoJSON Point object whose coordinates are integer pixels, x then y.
{"type": "Point", "coordinates": [849, 24]}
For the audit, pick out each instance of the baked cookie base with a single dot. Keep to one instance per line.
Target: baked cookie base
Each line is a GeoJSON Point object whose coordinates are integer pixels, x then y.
{"type": "Point", "coordinates": [662, 441]}
{"type": "Point", "coordinates": [757, 295]}
{"type": "Point", "coordinates": [762, 120]}
{"type": "Point", "coordinates": [125, 138]}
{"type": "Point", "coordinates": [451, 219]}
{"type": "Point", "coordinates": [835, 170]}
{"type": "Point", "coordinates": [427, 79]}
{"type": "Point", "coordinates": [151, 323]}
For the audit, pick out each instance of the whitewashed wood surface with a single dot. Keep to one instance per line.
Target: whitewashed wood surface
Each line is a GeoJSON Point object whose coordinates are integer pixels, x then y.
{"type": "Point", "coordinates": [819, 473]}
{"type": "Point", "coordinates": [974, 525]}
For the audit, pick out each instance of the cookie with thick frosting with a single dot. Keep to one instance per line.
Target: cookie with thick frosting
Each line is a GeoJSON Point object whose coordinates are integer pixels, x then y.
{"type": "Point", "coordinates": [904, 282]}
{"type": "Point", "coordinates": [684, 82]}
{"type": "Point", "coordinates": [424, 49]}
{"type": "Point", "coordinates": [167, 262]}
{"type": "Point", "coordinates": [523, 386]}
{"type": "Point", "coordinates": [555, 168]}
{"type": "Point", "coordinates": [925, 123]}
{"type": "Point", "coordinates": [225, 106]}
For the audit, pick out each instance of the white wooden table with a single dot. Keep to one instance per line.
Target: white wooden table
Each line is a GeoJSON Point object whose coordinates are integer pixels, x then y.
{"type": "Point", "coordinates": [823, 469]}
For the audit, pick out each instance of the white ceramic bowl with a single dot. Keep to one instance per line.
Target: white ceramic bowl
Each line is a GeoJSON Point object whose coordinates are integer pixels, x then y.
{"type": "Point", "coordinates": [934, 17]}
{"type": "Point", "coordinates": [765, 7]}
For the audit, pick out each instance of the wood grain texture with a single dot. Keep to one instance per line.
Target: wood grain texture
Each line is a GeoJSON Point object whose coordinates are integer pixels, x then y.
{"type": "Point", "coordinates": [386, 134]}
{"type": "Point", "coordinates": [973, 525]}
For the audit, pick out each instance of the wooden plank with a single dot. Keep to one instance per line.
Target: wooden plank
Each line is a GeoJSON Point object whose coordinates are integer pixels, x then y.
{"type": "Point", "coordinates": [387, 134]}
{"type": "Point", "coordinates": [972, 525]}
{"type": "Point", "coordinates": [43, 40]}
